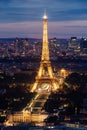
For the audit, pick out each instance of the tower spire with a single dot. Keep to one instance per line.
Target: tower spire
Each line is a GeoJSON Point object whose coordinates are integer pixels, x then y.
{"type": "Point", "coordinates": [45, 48]}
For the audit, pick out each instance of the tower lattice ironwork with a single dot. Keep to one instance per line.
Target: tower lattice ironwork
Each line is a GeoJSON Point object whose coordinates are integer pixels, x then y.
{"type": "Point", "coordinates": [45, 78]}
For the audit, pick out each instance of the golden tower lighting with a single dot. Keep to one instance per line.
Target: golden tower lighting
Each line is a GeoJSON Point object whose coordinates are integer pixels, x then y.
{"type": "Point", "coordinates": [45, 78]}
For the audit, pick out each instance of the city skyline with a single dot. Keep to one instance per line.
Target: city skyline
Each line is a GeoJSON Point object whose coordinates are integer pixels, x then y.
{"type": "Point", "coordinates": [23, 18]}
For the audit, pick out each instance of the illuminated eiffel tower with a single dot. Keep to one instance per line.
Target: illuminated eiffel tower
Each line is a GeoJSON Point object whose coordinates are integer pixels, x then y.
{"type": "Point", "coordinates": [45, 78]}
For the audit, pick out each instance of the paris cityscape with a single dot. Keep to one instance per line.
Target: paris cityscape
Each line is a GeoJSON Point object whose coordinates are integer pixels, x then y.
{"type": "Point", "coordinates": [43, 75]}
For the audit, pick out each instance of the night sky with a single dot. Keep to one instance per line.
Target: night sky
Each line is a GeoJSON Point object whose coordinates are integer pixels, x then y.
{"type": "Point", "coordinates": [23, 18]}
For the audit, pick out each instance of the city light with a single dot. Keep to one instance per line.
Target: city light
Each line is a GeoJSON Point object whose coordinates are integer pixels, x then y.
{"type": "Point", "coordinates": [32, 92]}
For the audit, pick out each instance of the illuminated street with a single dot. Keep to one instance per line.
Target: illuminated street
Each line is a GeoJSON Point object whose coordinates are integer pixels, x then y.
{"type": "Point", "coordinates": [38, 102]}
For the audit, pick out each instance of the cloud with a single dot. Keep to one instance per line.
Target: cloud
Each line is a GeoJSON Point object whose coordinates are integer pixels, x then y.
{"type": "Point", "coordinates": [32, 10]}
{"type": "Point", "coordinates": [34, 29]}
{"type": "Point", "coordinates": [23, 17]}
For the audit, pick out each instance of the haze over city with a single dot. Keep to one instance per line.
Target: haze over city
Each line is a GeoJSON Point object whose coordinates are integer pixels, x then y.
{"type": "Point", "coordinates": [22, 18]}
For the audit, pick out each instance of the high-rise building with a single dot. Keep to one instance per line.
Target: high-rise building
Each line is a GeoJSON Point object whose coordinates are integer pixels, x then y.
{"type": "Point", "coordinates": [83, 46]}
{"type": "Point", "coordinates": [73, 45]}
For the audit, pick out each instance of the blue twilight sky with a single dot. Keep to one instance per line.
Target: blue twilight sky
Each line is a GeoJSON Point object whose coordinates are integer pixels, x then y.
{"type": "Point", "coordinates": [23, 18]}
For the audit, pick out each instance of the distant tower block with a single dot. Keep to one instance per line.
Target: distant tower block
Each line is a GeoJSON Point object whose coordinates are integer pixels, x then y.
{"type": "Point", "coordinates": [45, 79]}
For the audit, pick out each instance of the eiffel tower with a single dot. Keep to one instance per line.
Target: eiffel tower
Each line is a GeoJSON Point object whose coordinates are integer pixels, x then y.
{"type": "Point", "coordinates": [45, 78]}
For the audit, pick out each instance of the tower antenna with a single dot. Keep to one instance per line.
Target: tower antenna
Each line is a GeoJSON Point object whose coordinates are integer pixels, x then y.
{"type": "Point", "coordinates": [45, 16]}
{"type": "Point", "coordinates": [44, 11]}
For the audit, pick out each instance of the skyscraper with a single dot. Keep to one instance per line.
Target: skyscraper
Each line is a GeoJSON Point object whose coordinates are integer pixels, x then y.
{"type": "Point", "coordinates": [83, 46]}
{"type": "Point", "coordinates": [73, 46]}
